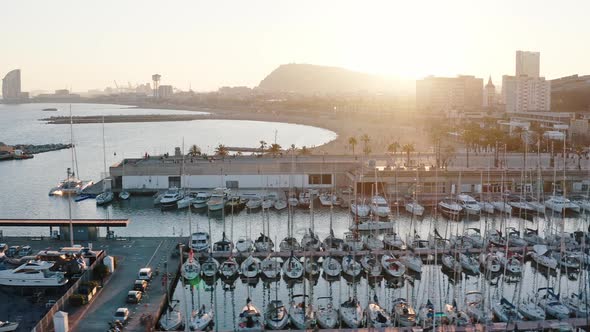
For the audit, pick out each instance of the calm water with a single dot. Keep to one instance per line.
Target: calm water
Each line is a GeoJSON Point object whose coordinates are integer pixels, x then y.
{"type": "Point", "coordinates": [24, 186]}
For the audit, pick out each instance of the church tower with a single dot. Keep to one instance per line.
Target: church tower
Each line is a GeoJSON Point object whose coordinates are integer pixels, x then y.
{"type": "Point", "coordinates": [489, 94]}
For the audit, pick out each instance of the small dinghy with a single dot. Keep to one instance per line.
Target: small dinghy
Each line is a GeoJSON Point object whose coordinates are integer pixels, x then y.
{"type": "Point", "coordinates": [277, 316]}
{"type": "Point", "coordinates": [326, 315]}
{"type": "Point", "coordinates": [351, 313]}
{"type": "Point", "coordinates": [332, 267]}
{"type": "Point", "coordinates": [392, 266]}
{"type": "Point", "coordinates": [250, 267]}
{"type": "Point", "coordinates": [403, 313]}
{"type": "Point", "coordinates": [377, 317]}
{"type": "Point", "coordinates": [250, 319]}
{"type": "Point", "coordinates": [506, 312]}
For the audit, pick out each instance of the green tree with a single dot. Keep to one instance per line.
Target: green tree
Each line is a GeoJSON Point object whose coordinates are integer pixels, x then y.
{"type": "Point", "coordinates": [304, 151]}
{"type": "Point", "coordinates": [352, 142]}
{"type": "Point", "coordinates": [393, 148]}
{"type": "Point", "coordinates": [221, 150]}
{"type": "Point", "coordinates": [194, 151]}
{"type": "Point", "coordinates": [408, 149]}
{"type": "Point", "coordinates": [366, 147]}
{"type": "Point", "coordinates": [274, 149]}
{"type": "Point", "coordinates": [262, 146]}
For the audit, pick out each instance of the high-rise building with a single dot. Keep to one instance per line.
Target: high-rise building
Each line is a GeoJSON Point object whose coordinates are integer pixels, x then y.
{"type": "Point", "coordinates": [489, 94]}
{"type": "Point", "coordinates": [528, 63]}
{"type": "Point", "coordinates": [526, 91]}
{"type": "Point", "coordinates": [165, 91]}
{"type": "Point", "coordinates": [460, 93]}
{"type": "Point", "coordinates": [11, 89]}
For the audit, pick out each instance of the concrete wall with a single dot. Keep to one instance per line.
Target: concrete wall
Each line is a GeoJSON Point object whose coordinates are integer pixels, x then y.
{"type": "Point", "coordinates": [145, 182]}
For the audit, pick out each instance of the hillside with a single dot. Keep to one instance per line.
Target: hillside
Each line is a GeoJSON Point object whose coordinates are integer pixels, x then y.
{"type": "Point", "coordinates": [313, 79]}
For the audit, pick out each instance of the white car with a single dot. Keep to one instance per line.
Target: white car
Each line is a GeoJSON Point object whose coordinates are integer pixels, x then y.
{"type": "Point", "coordinates": [145, 274]}
{"type": "Point", "coordinates": [122, 315]}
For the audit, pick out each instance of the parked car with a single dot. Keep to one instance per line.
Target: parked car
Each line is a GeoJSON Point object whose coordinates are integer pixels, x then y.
{"type": "Point", "coordinates": [121, 315]}
{"type": "Point", "coordinates": [140, 285]}
{"type": "Point", "coordinates": [25, 251]}
{"type": "Point", "coordinates": [145, 274]}
{"type": "Point", "coordinates": [134, 296]}
{"type": "Point", "coordinates": [3, 247]}
{"type": "Point", "coordinates": [12, 251]}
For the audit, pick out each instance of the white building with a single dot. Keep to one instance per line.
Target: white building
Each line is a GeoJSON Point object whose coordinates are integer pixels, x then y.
{"type": "Point", "coordinates": [489, 94]}
{"type": "Point", "coordinates": [528, 64]}
{"type": "Point", "coordinates": [440, 94]}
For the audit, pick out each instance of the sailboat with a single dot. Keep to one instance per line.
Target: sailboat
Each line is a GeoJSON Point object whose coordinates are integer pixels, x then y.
{"type": "Point", "coordinates": [351, 313]}
{"type": "Point", "coordinates": [326, 315]}
{"type": "Point", "coordinates": [550, 302]}
{"type": "Point", "coordinates": [106, 196]}
{"type": "Point", "coordinates": [411, 261]}
{"type": "Point", "coordinates": [331, 266]}
{"type": "Point", "coordinates": [392, 266]}
{"type": "Point", "coordinates": [250, 267]}
{"type": "Point", "coordinates": [371, 266]}
{"type": "Point", "coordinates": [292, 268]}
{"type": "Point", "coordinates": [310, 241]}
{"type": "Point", "coordinates": [277, 316]}
{"type": "Point", "coordinates": [229, 269]}
{"type": "Point", "coordinates": [350, 266]}
{"type": "Point", "coordinates": [506, 311]}
{"type": "Point", "coordinates": [377, 316]}
{"type": "Point", "coordinates": [224, 245]}
{"type": "Point", "coordinates": [210, 267]}
{"type": "Point", "coordinates": [271, 268]}
{"type": "Point", "coordinates": [475, 307]}
{"type": "Point", "coordinates": [201, 319]}
{"type": "Point", "coordinates": [403, 313]}
{"type": "Point", "coordinates": [302, 315]}
{"type": "Point", "coordinates": [124, 194]}
{"type": "Point", "coordinates": [250, 319]}
{"type": "Point", "coordinates": [171, 319]}
{"type": "Point", "coordinates": [190, 269]}
{"type": "Point", "coordinates": [311, 267]}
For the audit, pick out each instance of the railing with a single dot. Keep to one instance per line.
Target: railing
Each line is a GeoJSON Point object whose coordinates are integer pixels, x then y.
{"type": "Point", "coordinates": [46, 323]}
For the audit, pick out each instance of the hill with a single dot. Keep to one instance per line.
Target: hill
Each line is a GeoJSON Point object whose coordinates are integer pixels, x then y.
{"type": "Point", "coordinates": [314, 79]}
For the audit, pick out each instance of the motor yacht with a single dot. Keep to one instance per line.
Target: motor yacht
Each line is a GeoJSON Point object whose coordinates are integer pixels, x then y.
{"type": "Point", "coordinates": [200, 241]}
{"type": "Point", "coordinates": [380, 207]}
{"type": "Point", "coordinates": [469, 205]}
{"type": "Point", "coordinates": [186, 201]}
{"type": "Point", "coordinates": [414, 208]}
{"type": "Point", "coordinates": [561, 204]}
{"type": "Point", "coordinates": [171, 198]}
{"type": "Point", "coordinates": [218, 199]}
{"type": "Point", "coordinates": [450, 208]}
{"type": "Point", "coordinates": [201, 200]}
{"type": "Point", "coordinates": [33, 274]}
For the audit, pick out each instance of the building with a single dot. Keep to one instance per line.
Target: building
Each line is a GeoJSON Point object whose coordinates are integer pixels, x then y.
{"type": "Point", "coordinates": [165, 91]}
{"type": "Point", "coordinates": [439, 94]}
{"type": "Point", "coordinates": [571, 93]}
{"type": "Point", "coordinates": [526, 94]}
{"type": "Point", "coordinates": [528, 64]}
{"type": "Point", "coordinates": [489, 94]}
{"type": "Point", "coordinates": [11, 86]}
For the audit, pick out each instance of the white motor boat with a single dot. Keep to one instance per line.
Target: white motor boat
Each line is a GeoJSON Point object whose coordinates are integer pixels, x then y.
{"type": "Point", "coordinates": [414, 208]}
{"type": "Point", "coordinates": [351, 313]}
{"type": "Point", "coordinates": [301, 314]}
{"type": "Point", "coordinates": [411, 261]}
{"type": "Point", "coordinates": [244, 244]}
{"type": "Point", "coordinates": [469, 205]}
{"type": "Point", "coordinates": [502, 206]}
{"type": "Point", "coordinates": [332, 267]}
{"type": "Point", "coordinates": [201, 319]}
{"type": "Point", "coordinates": [582, 201]}
{"type": "Point", "coordinates": [271, 267]}
{"type": "Point", "coordinates": [280, 204]}
{"type": "Point", "coordinates": [218, 199]}
{"type": "Point", "coordinates": [380, 207]}
{"type": "Point", "coordinates": [469, 263]}
{"type": "Point", "coordinates": [506, 312]}
{"type": "Point", "coordinates": [350, 267]}
{"type": "Point", "coordinates": [186, 201]}
{"type": "Point", "coordinates": [392, 266]}
{"type": "Point", "coordinates": [292, 268]}
{"type": "Point", "coordinates": [33, 274]}
{"type": "Point", "coordinates": [403, 313]}
{"type": "Point", "coordinates": [371, 266]}
{"type": "Point", "coordinates": [170, 320]}
{"type": "Point", "coordinates": [542, 256]}
{"type": "Point", "coordinates": [531, 311]}
{"type": "Point", "coordinates": [254, 203]}
{"type": "Point", "coordinates": [277, 316]}
{"type": "Point", "coordinates": [377, 316]}
{"type": "Point", "coordinates": [8, 326]}
{"type": "Point", "coordinates": [360, 209]}
{"type": "Point", "coordinates": [250, 267]}
{"type": "Point", "coordinates": [229, 269]}
{"type": "Point", "coordinates": [105, 198]}
{"type": "Point", "coordinates": [171, 198]}
{"type": "Point", "coordinates": [550, 302]}
{"type": "Point", "coordinates": [474, 307]}
{"type": "Point", "coordinates": [200, 241]}
{"type": "Point", "coordinates": [561, 204]}
{"type": "Point", "coordinates": [372, 225]}
{"type": "Point", "coordinates": [124, 195]}
{"type": "Point", "coordinates": [250, 319]}
{"type": "Point", "coordinates": [326, 314]}
{"type": "Point", "coordinates": [201, 200]}
{"type": "Point", "coordinates": [210, 267]}
{"type": "Point", "coordinates": [450, 207]}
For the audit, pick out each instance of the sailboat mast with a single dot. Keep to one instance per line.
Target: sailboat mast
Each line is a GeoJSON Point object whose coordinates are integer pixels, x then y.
{"type": "Point", "coordinates": [72, 140]}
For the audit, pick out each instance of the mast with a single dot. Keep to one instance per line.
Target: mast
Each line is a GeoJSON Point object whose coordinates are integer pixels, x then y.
{"type": "Point", "coordinates": [104, 157]}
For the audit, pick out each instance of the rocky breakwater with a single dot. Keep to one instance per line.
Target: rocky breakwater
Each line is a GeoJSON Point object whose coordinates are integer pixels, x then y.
{"type": "Point", "coordinates": [26, 151]}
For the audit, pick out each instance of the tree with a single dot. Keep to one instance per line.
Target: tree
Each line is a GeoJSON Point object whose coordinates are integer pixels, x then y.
{"type": "Point", "coordinates": [352, 142]}
{"type": "Point", "coordinates": [408, 149]}
{"type": "Point", "coordinates": [274, 149]}
{"type": "Point", "coordinates": [221, 150]}
{"type": "Point", "coordinates": [393, 148]}
{"type": "Point", "coordinates": [194, 151]}
{"type": "Point", "coordinates": [447, 152]}
{"type": "Point", "coordinates": [262, 146]}
{"type": "Point", "coordinates": [366, 148]}
{"type": "Point", "coordinates": [304, 151]}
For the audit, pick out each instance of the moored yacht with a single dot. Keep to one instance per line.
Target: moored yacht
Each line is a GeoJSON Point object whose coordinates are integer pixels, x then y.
{"type": "Point", "coordinates": [450, 207]}
{"type": "Point", "coordinates": [33, 274]}
{"type": "Point", "coordinates": [218, 199]}
{"type": "Point", "coordinates": [380, 207]}
{"type": "Point", "coordinates": [469, 205]}
{"type": "Point", "coordinates": [201, 200]}
{"type": "Point", "coordinates": [186, 201]}
{"type": "Point", "coordinates": [200, 241]}
{"type": "Point", "coordinates": [561, 204]}
{"type": "Point", "coordinates": [171, 198]}
{"type": "Point", "coordinates": [413, 207]}
{"type": "Point", "coordinates": [360, 209]}
{"type": "Point", "coordinates": [105, 198]}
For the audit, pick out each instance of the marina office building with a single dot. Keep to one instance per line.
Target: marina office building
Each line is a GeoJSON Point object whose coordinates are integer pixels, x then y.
{"type": "Point", "coordinates": [153, 174]}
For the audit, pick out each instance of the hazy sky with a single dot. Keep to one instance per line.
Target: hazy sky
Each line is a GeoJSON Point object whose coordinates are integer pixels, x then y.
{"type": "Point", "coordinates": [88, 44]}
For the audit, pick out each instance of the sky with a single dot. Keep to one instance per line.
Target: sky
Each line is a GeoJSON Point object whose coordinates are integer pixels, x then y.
{"type": "Point", "coordinates": [207, 44]}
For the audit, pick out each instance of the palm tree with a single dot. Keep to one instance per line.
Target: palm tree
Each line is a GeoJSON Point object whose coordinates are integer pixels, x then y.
{"type": "Point", "coordinates": [274, 149]}
{"type": "Point", "coordinates": [408, 148]}
{"type": "Point", "coordinates": [221, 150]}
{"type": "Point", "coordinates": [366, 148]}
{"type": "Point", "coordinates": [352, 142]}
{"type": "Point", "coordinates": [304, 151]}
{"type": "Point", "coordinates": [262, 146]}
{"type": "Point", "coordinates": [194, 151]}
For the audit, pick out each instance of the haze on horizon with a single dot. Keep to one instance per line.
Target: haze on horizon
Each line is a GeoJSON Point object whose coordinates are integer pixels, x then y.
{"type": "Point", "coordinates": [208, 44]}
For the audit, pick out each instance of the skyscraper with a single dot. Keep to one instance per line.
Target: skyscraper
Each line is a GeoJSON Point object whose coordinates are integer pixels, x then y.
{"type": "Point", "coordinates": [11, 90]}
{"type": "Point", "coordinates": [527, 63]}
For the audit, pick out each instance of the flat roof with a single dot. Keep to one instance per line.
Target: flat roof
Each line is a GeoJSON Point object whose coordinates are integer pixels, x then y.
{"type": "Point", "coordinates": [65, 222]}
